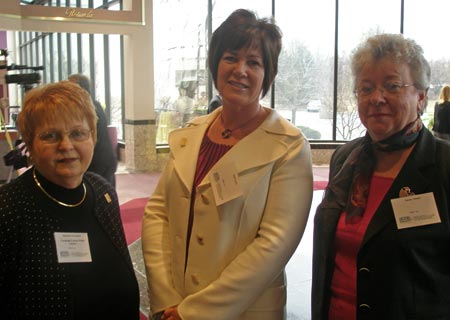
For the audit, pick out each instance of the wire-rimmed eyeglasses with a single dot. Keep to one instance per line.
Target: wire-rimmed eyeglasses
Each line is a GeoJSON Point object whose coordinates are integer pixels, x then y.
{"type": "Point", "coordinates": [392, 88]}
{"type": "Point", "coordinates": [55, 136]}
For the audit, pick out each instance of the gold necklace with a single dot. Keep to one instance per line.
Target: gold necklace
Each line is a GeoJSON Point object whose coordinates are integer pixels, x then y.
{"type": "Point", "coordinates": [56, 200]}
{"type": "Point", "coordinates": [226, 133]}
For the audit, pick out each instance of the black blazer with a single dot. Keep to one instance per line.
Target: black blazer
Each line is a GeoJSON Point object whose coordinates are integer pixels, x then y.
{"type": "Point", "coordinates": [104, 159]}
{"type": "Point", "coordinates": [442, 117]}
{"type": "Point", "coordinates": [29, 272]}
{"type": "Point", "coordinates": [401, 274]}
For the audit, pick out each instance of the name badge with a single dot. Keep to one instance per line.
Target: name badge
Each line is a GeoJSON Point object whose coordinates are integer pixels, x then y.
{"type": "Point", "coordinates": [225, 183]}
{"type": "Point", "coordinates": [72, 247]}
{"type": "Point", "coordinates": [415, 210]}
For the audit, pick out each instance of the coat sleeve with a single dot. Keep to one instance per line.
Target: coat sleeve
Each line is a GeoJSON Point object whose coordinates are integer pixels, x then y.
{"type": "Point", "coordinates": [156, 248]}
{"type": "Point", "coordinates": [253, 270]}
{"type": "Point", "coordinates": [10, 222]}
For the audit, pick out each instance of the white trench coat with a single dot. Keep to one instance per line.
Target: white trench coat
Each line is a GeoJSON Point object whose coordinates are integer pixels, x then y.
{"type": "Point", "coordinates": [238, 250]}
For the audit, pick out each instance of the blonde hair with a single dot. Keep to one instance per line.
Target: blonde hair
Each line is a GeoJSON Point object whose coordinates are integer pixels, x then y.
{"type": "Point", "coordinates": [445, 94]}
{"type": "Point", "coordinates": [63, 101]}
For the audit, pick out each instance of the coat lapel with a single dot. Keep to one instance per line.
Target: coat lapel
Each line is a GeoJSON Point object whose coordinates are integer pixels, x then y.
{"type": "Point", "coordinates": [107, 212]}
{"type": "Point", "coordinates": [246, 154]}
{"type": "Point", "coordinates": [184, 148]}
{"type": "Point", "coordinates": [414, 174]}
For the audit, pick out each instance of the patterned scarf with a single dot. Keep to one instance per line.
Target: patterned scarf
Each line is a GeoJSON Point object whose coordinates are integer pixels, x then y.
{"type": "Point", "coordinates": [356, 172]}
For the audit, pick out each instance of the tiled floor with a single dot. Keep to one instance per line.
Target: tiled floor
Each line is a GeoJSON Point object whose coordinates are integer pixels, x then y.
{"type": "Point", "coordinates": [137, 185]}
{"type": "Point", "coordinates": [298, 271]}
{"type": "Point", "coordinates": [130, 186]}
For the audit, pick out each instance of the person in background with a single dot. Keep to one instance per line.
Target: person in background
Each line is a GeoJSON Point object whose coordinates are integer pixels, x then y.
{"type": "Point", "coordinates": [63, 253]}
{"type": "Point", "coordinates": [215, 102]}
{"type": "Point", "coordinates": [184, 104]}
{"type": "Point", "coordinates": [441, 125]}
{"type": "Point", "coordinates": [226, 215]}
{"type": "Point", "coordinates": [382, 230]}
{"type": "Point", "coordinates": [104, 161]}
{"type": "Point", "coordinates": [202, 101]}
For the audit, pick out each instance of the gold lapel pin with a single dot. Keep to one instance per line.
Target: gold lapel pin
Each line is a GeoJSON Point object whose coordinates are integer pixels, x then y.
{"type": "Point", "coordinates": [108, 197]}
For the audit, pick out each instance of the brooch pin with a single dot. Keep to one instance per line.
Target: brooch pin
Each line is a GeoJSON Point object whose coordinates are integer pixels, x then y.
{"type": "Point", "coordinates": [405, 192]}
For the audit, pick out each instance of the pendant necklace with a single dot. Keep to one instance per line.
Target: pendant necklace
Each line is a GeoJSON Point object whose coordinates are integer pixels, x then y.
{"type": "Point", "coordinates": [226, 133]}
{"type": "Point", "coordinates": [56, 200]}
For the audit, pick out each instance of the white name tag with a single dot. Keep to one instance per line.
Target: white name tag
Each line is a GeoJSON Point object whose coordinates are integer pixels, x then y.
{"type": "Point", "coordinates": [72, 247]}
{"type": "Point", "coordinates": [415, 210]}
{"type": "Point", "coordinates": [225, 183]}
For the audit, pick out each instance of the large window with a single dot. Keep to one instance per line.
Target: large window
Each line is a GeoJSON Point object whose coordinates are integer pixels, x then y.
{"type": "Point", "coordinates": [356, 21]}
{"type": "Point", "coordinates": [314, 86]}
{"type": "Point", "coordinates": [97, 56]}
{"type": "Point", "coordinates": [180, 63]}
{"type": "Point", "coordinates": [432, 36]}
{"type": "Point", "coordinates": [304, 85]}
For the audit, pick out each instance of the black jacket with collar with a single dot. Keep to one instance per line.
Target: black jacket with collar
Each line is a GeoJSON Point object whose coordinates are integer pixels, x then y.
{"type": "Point", "coordinates": [32, 284]}
{"type": "Point", "coordinates": [401, 274]}
{"type": "Point", "coordinates": [442, 117]}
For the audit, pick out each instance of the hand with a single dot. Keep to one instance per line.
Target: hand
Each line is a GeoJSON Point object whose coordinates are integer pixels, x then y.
{"type": "Point", "coordinates": [171, 314]}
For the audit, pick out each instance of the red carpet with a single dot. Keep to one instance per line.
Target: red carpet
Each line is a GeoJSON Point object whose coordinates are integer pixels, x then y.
{"type": "Point", "coordinates": [319, 185]}
{"type": "Point", "coordinates": [133, 210]}
{"type": "Point", "coordinates": [142, 316]}
{"type": "Point", "coordinates": [131, 213]}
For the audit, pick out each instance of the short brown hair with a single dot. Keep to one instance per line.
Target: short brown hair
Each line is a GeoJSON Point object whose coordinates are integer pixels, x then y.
{"type": "Point", "coordinates": [243, 29]}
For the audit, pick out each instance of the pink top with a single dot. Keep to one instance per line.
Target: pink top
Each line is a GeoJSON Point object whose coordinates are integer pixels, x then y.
{"type": "Point", "coordinates": [349, 236]}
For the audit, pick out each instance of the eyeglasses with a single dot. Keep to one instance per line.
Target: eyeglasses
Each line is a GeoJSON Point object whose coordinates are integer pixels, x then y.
{"type": "Point", "coordinates": [75, 135]}
{"type": "Point", "coordinates": [391, 88]}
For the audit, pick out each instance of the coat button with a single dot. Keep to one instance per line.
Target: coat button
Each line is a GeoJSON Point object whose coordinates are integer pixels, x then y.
{"type": "Point", "coordinates": [200, 240]}
{"type": "Point", "coordinates": [204, 199]}
{"type": "Point", "coordinates": [364, 307]}
{"type": "Point", "coordinates": [363, 274]}
{"type": "Point", "coordinates": [194, 279]}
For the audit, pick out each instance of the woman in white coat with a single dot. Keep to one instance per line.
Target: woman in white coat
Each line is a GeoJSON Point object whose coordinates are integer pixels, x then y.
{"type": "Point", "coordinates": [234, 198]}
